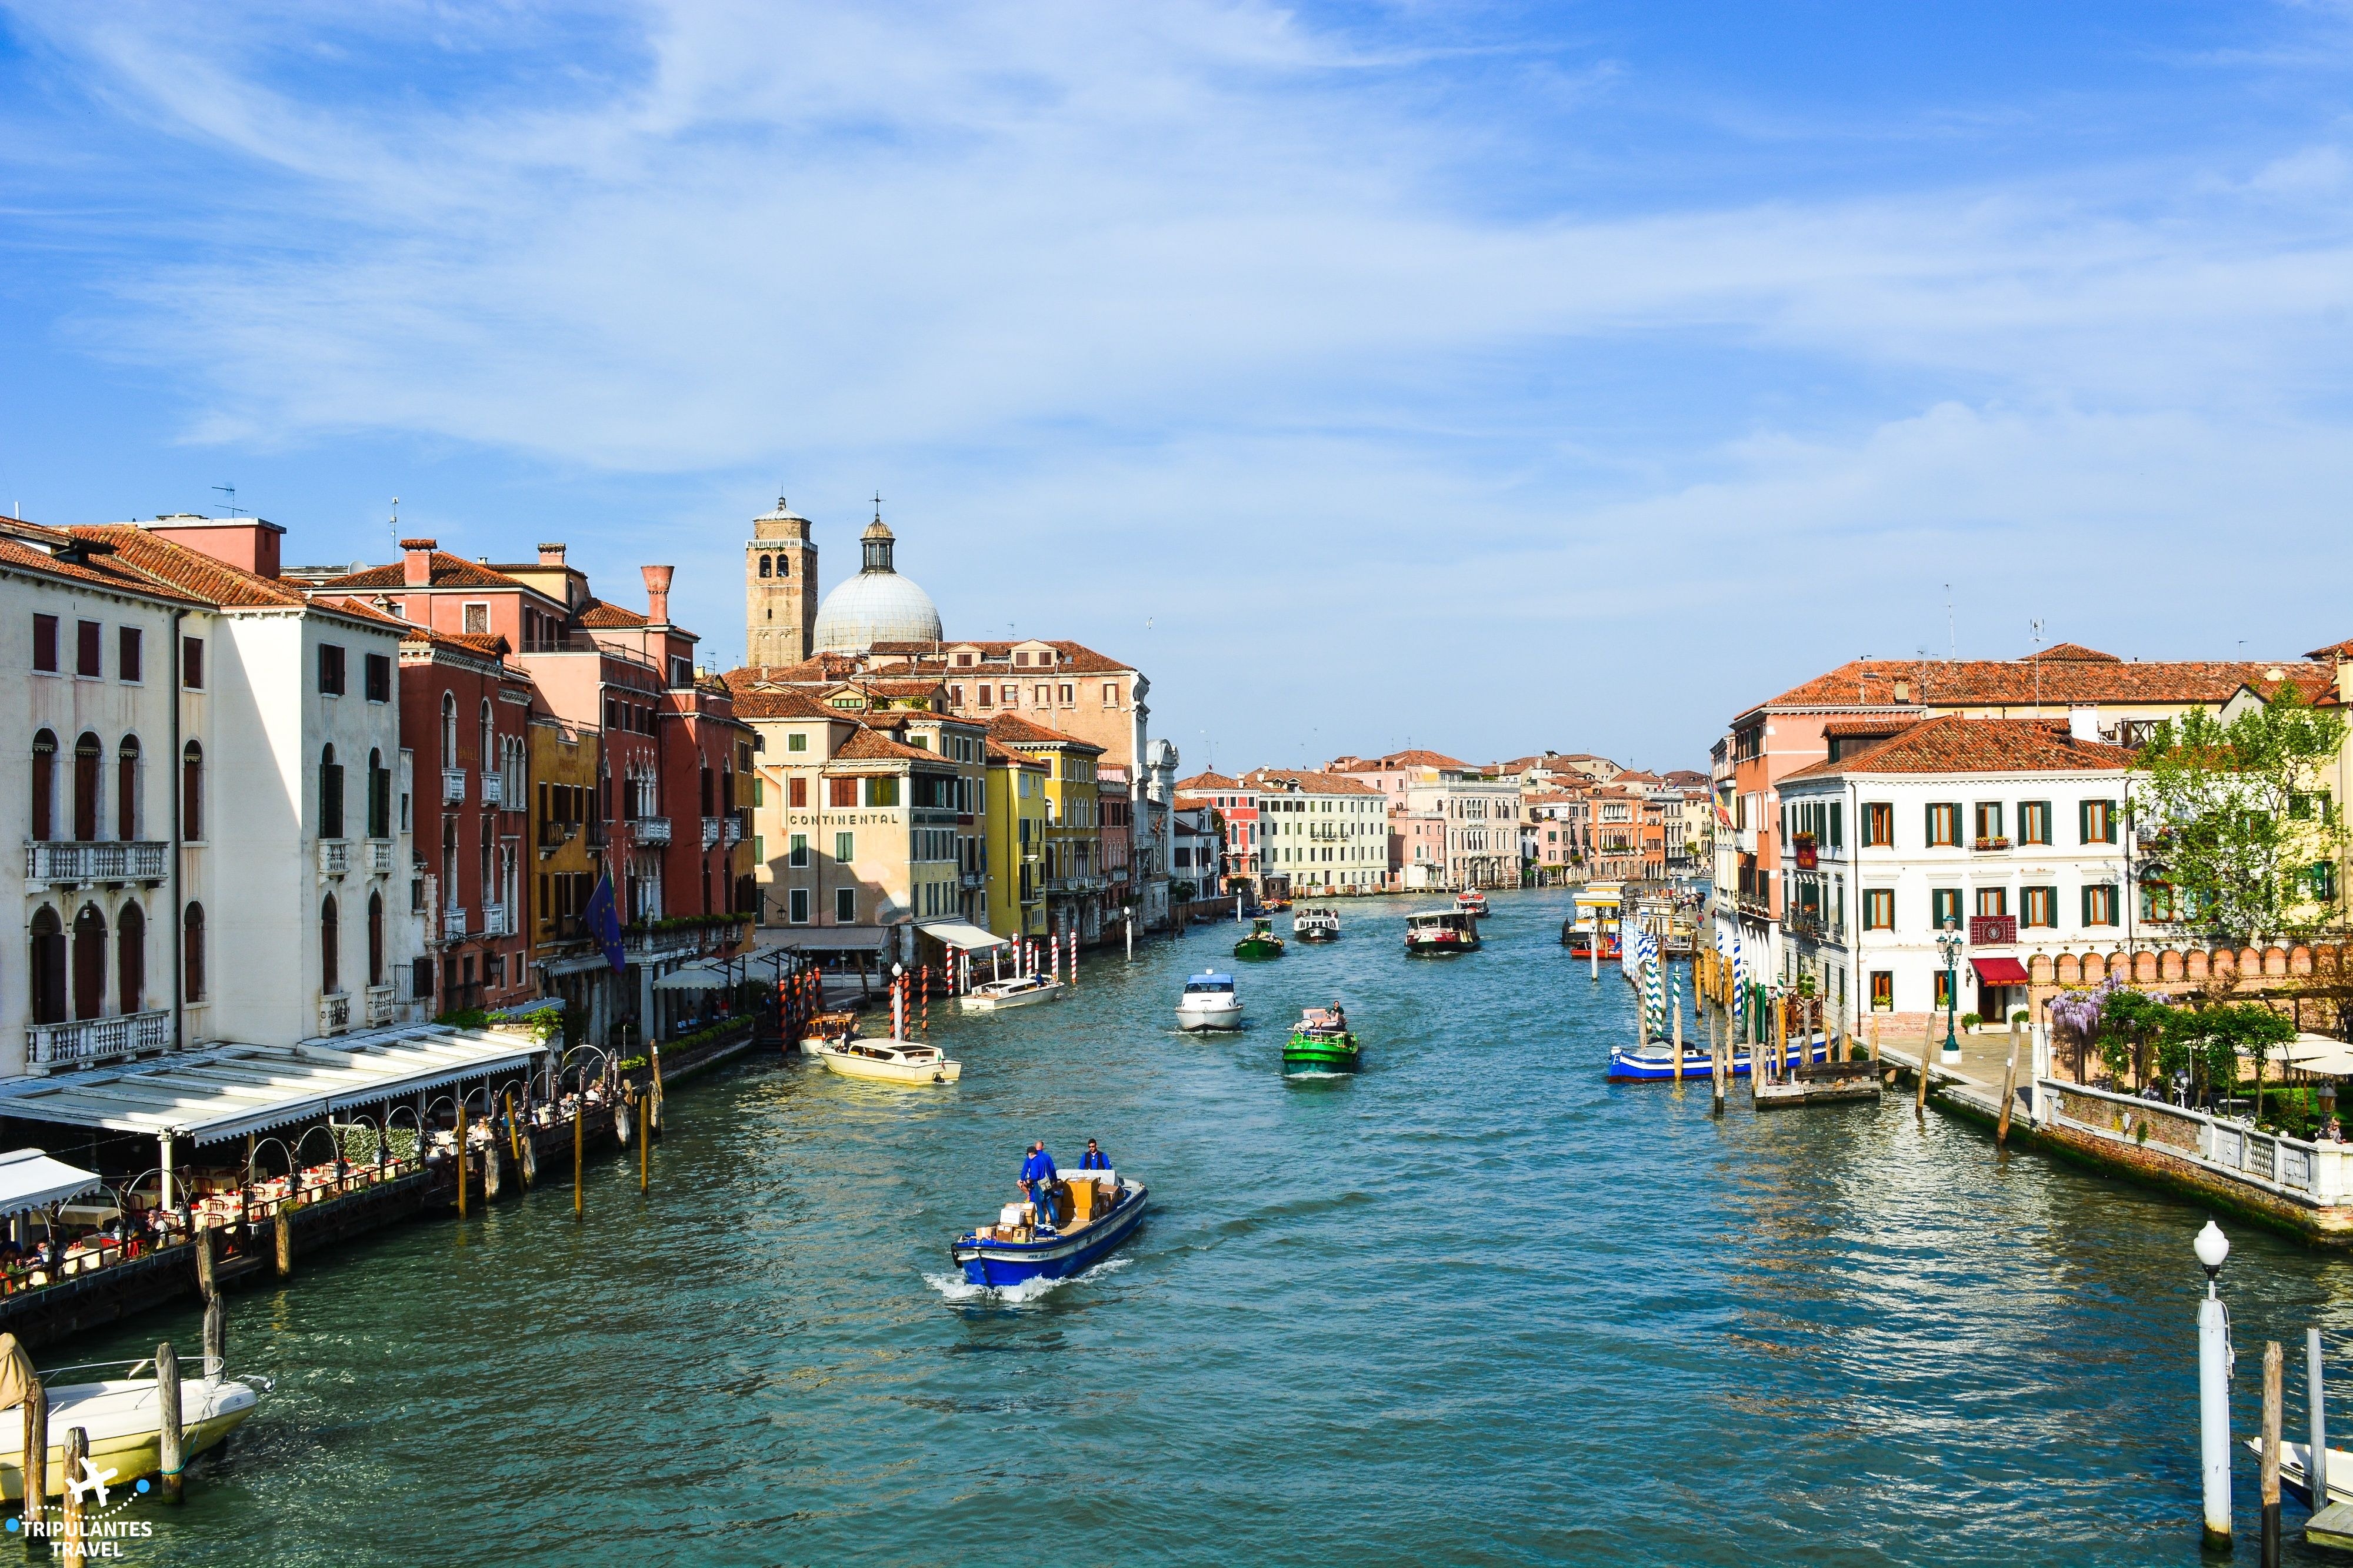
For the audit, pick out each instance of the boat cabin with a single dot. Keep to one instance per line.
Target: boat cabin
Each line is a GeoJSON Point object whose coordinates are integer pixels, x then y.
{"type": "Point", "coordinates": [1436, 920]}
{"type": "Point", "coordinates": [1210, 984]}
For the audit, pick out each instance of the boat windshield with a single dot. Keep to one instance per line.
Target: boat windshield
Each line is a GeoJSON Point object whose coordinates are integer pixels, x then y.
{"type": "Point", "coordinates": [1194, 986]}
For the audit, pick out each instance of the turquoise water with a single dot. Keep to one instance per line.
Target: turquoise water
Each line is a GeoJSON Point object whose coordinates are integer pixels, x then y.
{"type": "Point", "coordinates": [1474, 1305]}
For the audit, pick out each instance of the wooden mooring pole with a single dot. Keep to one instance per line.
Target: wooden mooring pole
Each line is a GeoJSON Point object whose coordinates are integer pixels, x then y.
{"type": "Point", "coordinates": [215, 1336]}
{"type": "Point", "coordinates": [579, 1138]}
{"type": "Point", "coordinates": [171, 1433]}
{"type": "Point", "coordinates": [283, 1224]}
{"type": "Point", "coordinates": [1927, 1047]}
{"type": "Point", "coordinates": [2009, 1090]}
{"type": "Point", "coordinates": [462, 1159]}
{"type": "Point", "coordinates": [207, 1286]}
{"type": "Point", "coordinates": [74, 1515]}
{"type": "Point", "coordinates": [645, 1144]}
{"type": "Point", "coordinates": [35, 1454]}
{"type": "Point", "coordinates": [2269, 1471]}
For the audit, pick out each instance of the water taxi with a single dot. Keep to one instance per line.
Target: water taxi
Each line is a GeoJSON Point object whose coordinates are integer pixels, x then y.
{"type": "Point", "coordinates": [1210, 1001]}
{"type": "Point", "coordinates": [1103, 1210]}
{"type": "Point", "coordinates": [1438, 932]}
{"type": "Point", "coordinates": [1322, 1042]}
{"type": "Point", "coordinates": [1020, 990]}
{"type": "Point", "coordinates": [1472, 901]}
{"type": "Point", "coordinates": [833, 1039]}
{"type": "Point", "coordinates": [1261, 943]}
{"type": "Point", "coordinates": [1316, 923]}
{"type": "Point", "coordinates": [124, 1425]}
{"type": "Point", "coordinates": [1579, 935]}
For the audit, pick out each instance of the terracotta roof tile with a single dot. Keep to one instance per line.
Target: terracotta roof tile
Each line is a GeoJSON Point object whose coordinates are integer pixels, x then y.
{"type": "Point", "coordinates": [767, 702]}
{"type": "Point", "coordinates": [1208, 781]}
{"type": "Point", "coordinates": [1308, 781]}
{"type": "Point", "coordinates": [2022, 683]}
{"type": "Point", "coordinates": [1952, 744]}
{"type": "Point", "coordinates": [1417, 758]}
{"type": "Point", "coordinates": [600, 616]}
{"type": "Point", "coordinates": [1007, 758]}
{"type": "Point", "coordinates": [2075, 652]}
{"type": "Point", "coordinates": [193, 574]}
{"type": "Point", "coordinates": [97, 574]}
{"type": "Point", "coordinates": [2332, 653]}
{"type": "Point", "coordinates": [867, 745]}
{"type": "Point", "coordinates": [1013, 729]}
{"type": "Point", "coordinates": [448, 571]}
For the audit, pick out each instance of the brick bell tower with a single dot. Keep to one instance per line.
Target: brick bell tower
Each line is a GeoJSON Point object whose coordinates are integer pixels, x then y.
{"type": "Point", "coordinates": [779, 588]}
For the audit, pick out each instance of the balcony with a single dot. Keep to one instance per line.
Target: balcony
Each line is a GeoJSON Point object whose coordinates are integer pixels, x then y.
{"type": "Point", "coordinates": [137, 860]}
{"type": "Point", "coordinates": [495, 921]}
{"type": "Point", "coordinates": [712, 830]}
{"type": "Point", "coordinates": [453, 923]}
{"type": "Point", "coordinates": [735, 831]}
{"type": "Point", "coordinates": [335, 1013]}
{"type": "Point", "coordinates": [334, 856]}
{"type": "Point", "coordinates": [382, 1005]}
{"type": "Point", "coordinates": [493, 789]}
{"type": "Point", "coordinates": [650, 829]}
{"type": "Point", "coordinates": [379, 857]}
{"type": "Point", "coordinates": [1993, 931]}
{"type": "Point", "coordinates": [972, 879]}
{"type": "Point", "coordinates": [90, 1041]}
{"type": "Point", "coordinates": [1990, 844]}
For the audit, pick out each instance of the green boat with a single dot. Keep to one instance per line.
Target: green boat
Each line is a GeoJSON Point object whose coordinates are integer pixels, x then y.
{"type": "Point", "coordinates": [1321, 1042]}
{"type": "Point", "coordinates": [1261, 943]}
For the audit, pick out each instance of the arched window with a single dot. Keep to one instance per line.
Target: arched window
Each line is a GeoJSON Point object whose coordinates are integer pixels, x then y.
{"type": "Point", "coordinates": [126, 791]}
{"type": "Point", "coordinates": [331, 968]}
{"type": "Point", "coordinates": [706, 792]}
{"type": "Point", "coordinates": [191, 955]}
{"type": "Point", "coordinates": [87, 755]}
{"type": "Point", "coordinates": [764, 566]}
{"type": "Point", "coordinates": [45, 787]}
{"type": "Point", "coordinates": [489, 739]}
{"type": "Point", "coordinates": [331, 794]}
{"type": "Point", "coordinates": [379, 807]}
{"type": "Point", "coordinates": [376, 938]}
{"type": "Point", "coordinates": [90, 963]}
{"type": "Point", "coordinates": [449, 729]}
{"type": "Point", "coordinates": [130, 958]}
{"type": "Point", "coordinates": [192, 794]}
{"type": "Point", "coordinates": [49, 967]}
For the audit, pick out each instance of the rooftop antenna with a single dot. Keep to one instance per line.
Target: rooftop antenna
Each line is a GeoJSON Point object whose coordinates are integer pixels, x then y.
{"type": "Point", "coordinates": [2037, 624]}
{"type": "Point", "coordinates": [1952, 638]}
{"type": "Point", "coordinates": [395, 525]}
{"type": "Point", "coordinates": [231, 492]}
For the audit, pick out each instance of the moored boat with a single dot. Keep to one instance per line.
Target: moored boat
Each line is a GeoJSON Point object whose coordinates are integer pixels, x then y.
{"type": "Point", "coordinates": [1472, 901]}
{"type": "Point", "coordinates": [1578, 937]}
{"type": "Point", "coordinates": [1440, 932]}
{"type": "Point", "coordinates": [1104, 1210]}
{"type": "Point", "coordinates": [121, 1418]}
{"type": "Point", "coordinates": [1316, 923]}
{"type": "Point", "coordinates": [835, 1041]}
{"type": "Point", "coordinates": [1659, 1062]}
{"type": "Point", "coordinates": [1020, 990]}
{"type": "Point", "coordinates": [1261, 943]}
{"type": "Point", "coordinates": [1322, 1042]}
{"type": "Point", "coordinates": [1210, 1002]}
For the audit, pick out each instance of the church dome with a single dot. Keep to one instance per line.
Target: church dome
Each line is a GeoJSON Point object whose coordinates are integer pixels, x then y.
{"type": "Point", "coordinates": [877, 606]}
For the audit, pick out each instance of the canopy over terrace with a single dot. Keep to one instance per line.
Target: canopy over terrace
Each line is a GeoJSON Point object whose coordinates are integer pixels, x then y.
{"type": "Point", "coordinates": [29, 1179]}
{"type": "Point", "coordinates": [228, 1091]}
{"type": "Point", "coordinates": [963, 935]}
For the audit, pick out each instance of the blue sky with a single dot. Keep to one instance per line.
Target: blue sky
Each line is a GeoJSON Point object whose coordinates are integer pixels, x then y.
{"type": "Point", "coordinates": [1486, 377]}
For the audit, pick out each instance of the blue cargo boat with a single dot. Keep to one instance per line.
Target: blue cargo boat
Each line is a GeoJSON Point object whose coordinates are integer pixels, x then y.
{"type": "Point", "coordinates": [1001, 1255]}
{"type": "Point", "coordinates": [1648, 1067]}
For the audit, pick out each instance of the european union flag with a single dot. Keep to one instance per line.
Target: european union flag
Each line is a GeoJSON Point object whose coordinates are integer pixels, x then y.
{"type": "Point", "coordinates": [604, 921]}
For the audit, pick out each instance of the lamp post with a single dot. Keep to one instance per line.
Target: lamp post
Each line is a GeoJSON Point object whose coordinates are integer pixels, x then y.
{"type": "Point", "coordinates": [1949, 945]}
{"type": "Point", "coordinates": [2214, 1389]}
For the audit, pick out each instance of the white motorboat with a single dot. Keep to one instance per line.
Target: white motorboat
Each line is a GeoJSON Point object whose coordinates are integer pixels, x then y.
{"type": "Point", "coordinates": [121, 1418]}
{"type": "Point", "coordinates": [1210, 1001]}
{"type": "Point", "coordinates": [1022, 990]}
{"type": "Point", "coordinates": [1316, 923]}
{"type": "Point", "coordinates": [885, 1061]}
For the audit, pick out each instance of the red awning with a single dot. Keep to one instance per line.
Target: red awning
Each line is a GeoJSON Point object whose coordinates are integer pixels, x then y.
{"type": "Point", "coordinates": [1999, 971]}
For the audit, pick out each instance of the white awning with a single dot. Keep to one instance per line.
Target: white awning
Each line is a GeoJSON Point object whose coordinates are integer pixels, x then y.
{"type": "Point", "coordinates": [962, 934]}
{"type": "Point", "coordinates": [31, 1180]}
{"type": "Point", "coordinates": [823, 939]}
{"type": "Point", "coordinates": [2321, 1055]}
{"type": "Point", "coordinates": [228, 1091]}
{"type": "Point", "coordinates": [704, 976]}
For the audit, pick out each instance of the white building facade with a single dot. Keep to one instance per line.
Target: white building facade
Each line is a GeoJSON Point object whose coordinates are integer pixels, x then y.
{"type": "Point", "coordinates": [1327, 833]}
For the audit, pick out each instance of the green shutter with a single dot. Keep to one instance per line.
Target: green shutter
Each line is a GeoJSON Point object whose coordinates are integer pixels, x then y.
{"type": "Point", "coordinates": [2083, 821]}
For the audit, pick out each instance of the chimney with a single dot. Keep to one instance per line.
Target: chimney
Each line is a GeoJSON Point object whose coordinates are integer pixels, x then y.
{"type": "Point", "coordinates": [550, 555]}
{"type": "Point", "coordinates": [417, 562]}
{"type": "Point", "coordinates": [656, 593]}
{"type": "Point", "coordinates": [248, 544]}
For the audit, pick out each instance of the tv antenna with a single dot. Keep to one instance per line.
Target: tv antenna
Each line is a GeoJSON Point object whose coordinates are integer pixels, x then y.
{"type": "Point", "coordinates": [1952, 638]}
{"type": "Point", "coordinates": [2037, 624]}
{"type": "Point", "coordinates": [231, 492]}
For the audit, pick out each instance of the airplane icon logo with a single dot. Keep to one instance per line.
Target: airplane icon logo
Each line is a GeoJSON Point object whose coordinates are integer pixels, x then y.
{"type": "Point", "coordinates": [92, 1479]}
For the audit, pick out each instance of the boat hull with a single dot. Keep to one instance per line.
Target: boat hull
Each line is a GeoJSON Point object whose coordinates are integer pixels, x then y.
{"type": "Point", "coordinates": [980, 1002]}
{"type": "Point", "coordinates": [1258, 947]}
{"type": "Point", "coordinates": [1631, 1067]}
{"type": "Point", "coordinates": [1322, 1056]}
{"type": "Point", "coordinates": [121, 1424]}
{"type": "Point", "coordinates": [1439, 949]}
{"type": "Point", "coordinates": [998, 1264]}
{"type": "Point", "coordinates": [850, 1064]}
{"type": "Point", "coordinates": [1206, 1020]}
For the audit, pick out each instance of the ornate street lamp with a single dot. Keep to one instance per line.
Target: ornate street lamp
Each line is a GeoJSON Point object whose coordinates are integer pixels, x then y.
{"type": "Point", "coordinates": [1949, 945]}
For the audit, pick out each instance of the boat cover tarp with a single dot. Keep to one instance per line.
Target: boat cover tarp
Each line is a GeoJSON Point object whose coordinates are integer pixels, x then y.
{"type": "Point", "coordinates": [227, 1091]}
{"type": "Point", "coordinates": [962, 934]}
{"type": "Point", "coordinates": [31, 1180]}
{"type": "Point", "coordinates": [1999, 971]}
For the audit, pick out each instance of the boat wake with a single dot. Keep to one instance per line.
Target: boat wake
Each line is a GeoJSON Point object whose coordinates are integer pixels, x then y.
{"type": "Point", "coordinates": [955, 1288]}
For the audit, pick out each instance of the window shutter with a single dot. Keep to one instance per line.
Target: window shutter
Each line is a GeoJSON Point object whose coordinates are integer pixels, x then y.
{"type": "Point", "coordinates": [2083, 821]}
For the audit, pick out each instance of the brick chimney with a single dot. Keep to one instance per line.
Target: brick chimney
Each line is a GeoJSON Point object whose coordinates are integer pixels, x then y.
{"type": "Point", "coordinates": [417, 562]}
{"type": "Point", "coordinates": [550, 555]}
{"type": "Point", "coordinates": [656, 593]}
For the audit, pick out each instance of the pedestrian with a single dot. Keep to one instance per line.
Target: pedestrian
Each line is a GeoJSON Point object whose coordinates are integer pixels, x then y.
{"type": "Point", "coordinates": [1037, 1178]}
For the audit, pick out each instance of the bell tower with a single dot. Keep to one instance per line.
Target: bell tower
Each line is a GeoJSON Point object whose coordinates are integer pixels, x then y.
{"type": "Point", "coordinates": [779, 588]}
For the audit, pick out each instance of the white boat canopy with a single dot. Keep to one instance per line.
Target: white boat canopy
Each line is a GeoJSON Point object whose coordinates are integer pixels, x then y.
{"type": "Point", "coordinates": [227, 1091]}
{"type": "Point", "coordinates": [31, 1180]}
{"type": "Point", "coordinates": [703, 976]}
{"type": "Point", "coordinates": [963, 935]}
{"type": "Point", "coordinates": [823, 939]}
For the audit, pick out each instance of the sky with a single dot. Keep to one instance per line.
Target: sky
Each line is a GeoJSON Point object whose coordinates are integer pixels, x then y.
{"type": "Point", "coordinates": [1484, 377]}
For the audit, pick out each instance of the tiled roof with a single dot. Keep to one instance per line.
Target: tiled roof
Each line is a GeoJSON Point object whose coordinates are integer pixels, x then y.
{"type": "Point", "coordinates": [448, 571]}
{"type": "Point", "coordinates": [765, 703]}
{"type": "Point", "coordinates": [2332, 653]}
{"type": "Point", "coordinates": [1208, 781]}
{"type": "Point", "coordinates": [1952, 744]}
{"type": "Point", "coordinates": [1413, 759]}
{"type": "Point", "coordinates": [1013, 729]}
{"type": "Point", "coordinates": [1005, 758]}
{"type": "Point", "coordinates": [97, 573]}
{"type": "Point", "coordinates": [2076, 652]}
{"type": "Point", "coordinates": [1874, 727]}
{"type": "Point", "coordinates": [603, 617]}
{"type": "Point", "coordinates": [825, 670]}
{"type": "Point", "coordinates": [2021, 683]}
{"type": "Point", "coordinates": [866, 745]}
{"type": "Point", "coordinates": [1069, 655]}
{"type": "Point", "coordinates": [1308, 781]}
{"type": "Point", "coordinates": [190, 571]}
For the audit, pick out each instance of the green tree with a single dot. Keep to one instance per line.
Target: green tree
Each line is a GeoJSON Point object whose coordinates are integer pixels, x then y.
{"type": "Point", "coordinates": [2219, 1037]}
{"type": "Point", "coordinates": [2238, 821]}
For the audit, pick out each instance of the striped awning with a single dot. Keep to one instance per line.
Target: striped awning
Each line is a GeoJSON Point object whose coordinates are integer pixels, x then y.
{"type": "Point", "coordinates": [227, 1091]}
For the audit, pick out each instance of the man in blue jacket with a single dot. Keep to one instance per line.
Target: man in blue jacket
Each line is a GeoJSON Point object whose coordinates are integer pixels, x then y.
{"type": "Point", "coordinates": [1038, 1179]}
{"type": "Point", "coordinates": [1094, 1159]}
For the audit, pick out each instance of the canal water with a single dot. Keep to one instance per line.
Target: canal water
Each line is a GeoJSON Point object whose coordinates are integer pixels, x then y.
{"type": "Point", "coordinates": [1473, 1306]}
